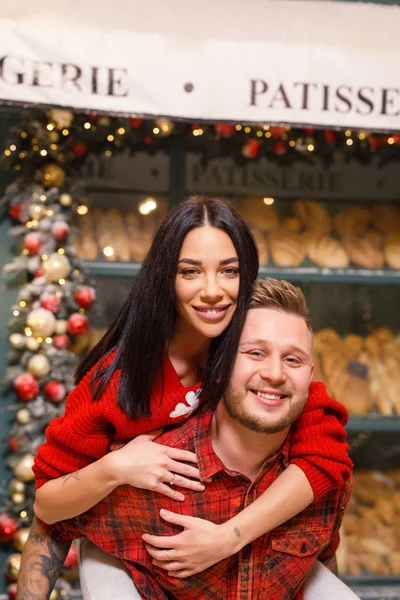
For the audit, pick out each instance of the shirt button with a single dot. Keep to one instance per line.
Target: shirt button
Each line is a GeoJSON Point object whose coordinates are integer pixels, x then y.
{"type": "Point", "coordinates": [303, 548]}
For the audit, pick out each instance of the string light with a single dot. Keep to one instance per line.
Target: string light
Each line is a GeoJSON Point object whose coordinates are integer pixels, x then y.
{"type": "Point", "coordinates": [238, 127]}
{"type": "Point", "coordinates": [349, 142]}
{"type": "Point", "coordinates": [50, 127]}
{"type": "Point", "coordinates": [156, 130]}
{"type": "Point", "coordinates": [82, 209]}
{"type": "Point", "coordinates": [108, 251]}
{"type": "Point", "coordinates": [16, 313]}
{"type": "Point", "coordinates": [390, 141]}
{"type": "Point", "coordinates": [43, 152]}
{"type": "Point", "coordinates": [22, 303]}
{"type": "Point", "coordinates": [61, 251]}
{"type": "Point", "coordinates": [61, 281]}
{"type": "Point", "coordinates": [268, 201]}
{"type": "Point", "coordinates": [147, 206]}
{"type": "Point", "coordinates": [65, 132]}
{"type": "Point", "coordinates": [28, 331]}
{"type": "Point", "coordinates": [87, 125]}
{"type": "Point", "coordinates": [110, 137]}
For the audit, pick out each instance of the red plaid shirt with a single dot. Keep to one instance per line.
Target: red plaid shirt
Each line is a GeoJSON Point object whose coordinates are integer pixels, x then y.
{"type": "Point", "coordinates": [273, 567]}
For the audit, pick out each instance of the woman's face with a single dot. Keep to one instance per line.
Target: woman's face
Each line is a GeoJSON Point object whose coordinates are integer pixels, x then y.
{"type": "Point", "coordinates": [207, 281]}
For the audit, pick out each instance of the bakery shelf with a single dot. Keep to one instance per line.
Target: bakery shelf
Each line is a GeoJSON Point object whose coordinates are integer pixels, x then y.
{"type": "Point", "coordinates": [359, 276]}
{"type": "Point", "coordinates": [111, 269]}
{"type": "Point", "coordinates": [373, 423]}
{"type": "Point", "coordinates": [307, 273]}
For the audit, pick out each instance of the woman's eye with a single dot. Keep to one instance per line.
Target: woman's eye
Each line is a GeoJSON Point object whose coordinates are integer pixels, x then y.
{"type": "Point", "coordinates": [189, 272]}
{"type": "Point", "coordinates": [231, 272]}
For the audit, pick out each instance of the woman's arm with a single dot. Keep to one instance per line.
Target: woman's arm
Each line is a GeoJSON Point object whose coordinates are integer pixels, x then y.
{"type": "Point", "coordinates": [41, 563]}
{"type": "Point", "coordinates": [140, 463]}
{"type": "Point", "coordinates": [202, 543]}
{"type": "Point", "coordinates": [319, 463]}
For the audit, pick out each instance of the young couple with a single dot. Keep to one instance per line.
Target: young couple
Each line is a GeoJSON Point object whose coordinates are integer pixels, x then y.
{"type": "Point", "coordinates": [182, 324]}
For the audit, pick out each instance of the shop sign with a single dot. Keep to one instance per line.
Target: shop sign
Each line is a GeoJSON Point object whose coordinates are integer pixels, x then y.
{"type": "Point", "coordinates": [335, 77]}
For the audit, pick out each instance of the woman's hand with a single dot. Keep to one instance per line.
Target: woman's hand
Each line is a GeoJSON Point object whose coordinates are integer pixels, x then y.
{"type": "Point", "coordinates": [144, 464]}
{"type": "Point", "coordinates": [199, 546]}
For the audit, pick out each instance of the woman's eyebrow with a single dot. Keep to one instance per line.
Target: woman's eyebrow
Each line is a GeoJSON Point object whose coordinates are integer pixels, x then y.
{"type": "Point", "coordinates": [198, 263]}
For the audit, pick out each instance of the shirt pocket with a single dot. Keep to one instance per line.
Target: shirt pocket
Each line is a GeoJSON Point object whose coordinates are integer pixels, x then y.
{"type": "Point", "coordinates": [301, 542]}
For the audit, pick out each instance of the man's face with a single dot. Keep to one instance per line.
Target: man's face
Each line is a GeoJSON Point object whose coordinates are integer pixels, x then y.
{"type": "Point", "coordinates": [272, 372]}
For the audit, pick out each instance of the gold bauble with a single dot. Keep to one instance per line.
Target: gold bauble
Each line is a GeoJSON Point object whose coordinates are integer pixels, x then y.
{"type": "Point", "coordinates": [41, 321]}
{"type": "Point", "coordinates": [32, 344]}
{"type": "Point", "coordinates": [23, 468]}
{"type": "Point", "coordinates": [23, 416]}
{"type": "Point", "coordinates": [65, 200]}
{"type": "Point", "coordinates": [17, 340]}
{"type": "Point", "coordinates": [20, 537]}
{"type": "Point", "coordinates": [12, 567]}
{"type": "Point", "coordinates": [39, 365]}
{"type": "Point", "coordinates": [54, 595]}
{"type": "Point", "coordinates": [16, 486]}
{"type": "Point", "coordinates": [17, 498]}
{"type": "Point", "coordinates": [53, 176]}
{"type": "Point", "coordinates": [61, 117]}
{"type": "Point", "coordinates": [56, 267]}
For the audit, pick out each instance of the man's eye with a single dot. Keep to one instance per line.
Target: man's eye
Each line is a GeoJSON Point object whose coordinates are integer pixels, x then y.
{"type": "Point", "coordinates": [255, 353]}
{"type": "Point", "coordinates": [293, 361]}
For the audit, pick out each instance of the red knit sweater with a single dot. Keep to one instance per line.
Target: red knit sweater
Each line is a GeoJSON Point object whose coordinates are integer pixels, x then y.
{"type": "Point", "coordinates": [85, 432]}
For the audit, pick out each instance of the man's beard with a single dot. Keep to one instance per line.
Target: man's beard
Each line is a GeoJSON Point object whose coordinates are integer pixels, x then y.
{"type": "Point", "coordinates": [234, 404]}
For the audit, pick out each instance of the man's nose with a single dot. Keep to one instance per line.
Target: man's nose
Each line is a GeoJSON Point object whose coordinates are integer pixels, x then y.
{"type": "Point", "coordinates": [273, 371]}
{"type": "Point", "coordinates": [211, 291]}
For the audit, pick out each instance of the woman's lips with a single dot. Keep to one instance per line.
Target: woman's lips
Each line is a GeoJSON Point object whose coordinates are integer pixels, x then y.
{"type": "Point", "coordinates": [211, 314]}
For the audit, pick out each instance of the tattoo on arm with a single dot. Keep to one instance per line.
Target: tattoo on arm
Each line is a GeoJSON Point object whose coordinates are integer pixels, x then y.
{"type": "Point", "coordinates": [70, 476]}
{"type": "Point", "coordinates": [237, 531]}
{"type": "Point", "coordinates": [42, 559]}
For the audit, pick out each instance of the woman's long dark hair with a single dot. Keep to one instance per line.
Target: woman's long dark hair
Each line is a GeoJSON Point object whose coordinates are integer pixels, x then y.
{"type": "Point", "coordinates": [145, 323]}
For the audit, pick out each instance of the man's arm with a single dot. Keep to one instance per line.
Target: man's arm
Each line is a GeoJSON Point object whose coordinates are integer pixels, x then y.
{"type": "Point", "coordinates": [42, 559]}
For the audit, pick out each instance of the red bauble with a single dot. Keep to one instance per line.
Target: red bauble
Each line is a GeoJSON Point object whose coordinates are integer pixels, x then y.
{"type": "Point", "coordinates": [136, 123]}
{"type": "Point", "coordinates": [330, 137]}
{"type": "Point", "coordinates": [60, 230]}
{"type": "Point", "coordinates": [14, 445]}
{"type": "Point", "coordinates": [251, 148]}
{"type": "Point", "coordinates": [32, 242]}
{"type": "Point", "coordinates": [309, 130]}
{"type": "Point", "coordinates": [147, 140]}
{"type": "Point", "coordinates": [39, 272]}
{"type": "Point", "coordinates": [26, 387]}
{"type": "Point", "coordinates": [50, 302]}
{"type": "Point", "coordinates": [277, 131]}
{"type": "Point", "coordinates": [12, 591]}
{"type": "Point", "coordinates": [15, 211]}
{"type": "Point", "coordinates": [55, 391]}
{"type": "Point", "coordinates": [61, 341]}
{"type": "Point", "coordinates": [79, 149]}
{"type": "Point", "coordinates": [8, 526]}
{"type": "Point", "coordinates": [373, 142]}
{"type": "Point", "coordinates": [93, 116]}
{"type": "Point", "coordinates": [224, 130]}
{"type": "Point", "coordinates": [77, 324]}
{"type": "Point", "coordinates": [71, 558]}
{"type": "Point", "coordinates": [86, 296]}
{"type": "Point", "coordinates": [280, 148]}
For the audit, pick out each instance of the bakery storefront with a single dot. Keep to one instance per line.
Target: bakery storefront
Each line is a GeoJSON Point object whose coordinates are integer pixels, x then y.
{"type": "Point", "coordinates": [307, 148]}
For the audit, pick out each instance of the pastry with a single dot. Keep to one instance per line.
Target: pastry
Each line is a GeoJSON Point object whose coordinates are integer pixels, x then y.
{"type": "Point", "coordinates": [386, 218]}
{"type": "Point", "coordinates": [392, 250]}
{"type": "Point", "coordinates": [259, 215]}
{"type": "Point", "coordinates": [286, 248]}
{"type": "Point", "coordinates": [262, 246]}
{"type": "Point", "coordinates": [293, 224]}
{"type": "Point", "coordinates": [313, 215]}
{"type": "Point", "coordinates": [352, 221]}
{"type": "Point", "coordinates": [363, 254]}
{"type": "Point", "coordinates": [326, 251]}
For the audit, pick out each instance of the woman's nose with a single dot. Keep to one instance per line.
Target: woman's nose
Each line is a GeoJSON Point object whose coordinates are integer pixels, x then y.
{"type": "Point", "coordinates": [211, 289]}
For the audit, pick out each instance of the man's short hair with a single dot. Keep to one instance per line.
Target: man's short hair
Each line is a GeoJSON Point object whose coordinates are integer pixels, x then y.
{"type": "Point", "coordinates": [280, 295]}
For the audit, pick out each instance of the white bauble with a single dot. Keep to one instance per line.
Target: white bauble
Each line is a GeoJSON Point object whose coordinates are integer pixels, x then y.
{"type": "Point", "coordinates": [56, 267]}
{"type": "Point", "coordinates": [17, 340]}
{"type": "Point", "coordinates": [39, 365]}
{"type": "Point", "coordinates": [23, 416]}
{"type": "Point", "coordinates": [32, 344]}
{"type": "Point", "coordinates": [42, 322]}
{"type": "Point", "coordinates": [61, 327]}
{"type": "Point", "coordinates": [23, 469]}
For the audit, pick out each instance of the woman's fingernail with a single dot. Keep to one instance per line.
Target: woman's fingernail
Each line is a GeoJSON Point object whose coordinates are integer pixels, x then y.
{"type": "Point", "coordinates": [201, 487]}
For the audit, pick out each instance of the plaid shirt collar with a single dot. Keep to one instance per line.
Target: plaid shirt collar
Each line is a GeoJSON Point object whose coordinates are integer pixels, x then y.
{"type": "Point", "coordinates": [209, 463]}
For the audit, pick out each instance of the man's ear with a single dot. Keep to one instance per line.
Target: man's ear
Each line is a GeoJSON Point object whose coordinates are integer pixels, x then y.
{"type": "Point", "coordinates": [312, 372]}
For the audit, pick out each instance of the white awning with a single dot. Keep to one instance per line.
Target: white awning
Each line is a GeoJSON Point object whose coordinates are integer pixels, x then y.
{"type": "Point", "coordinates": [286, 61]}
